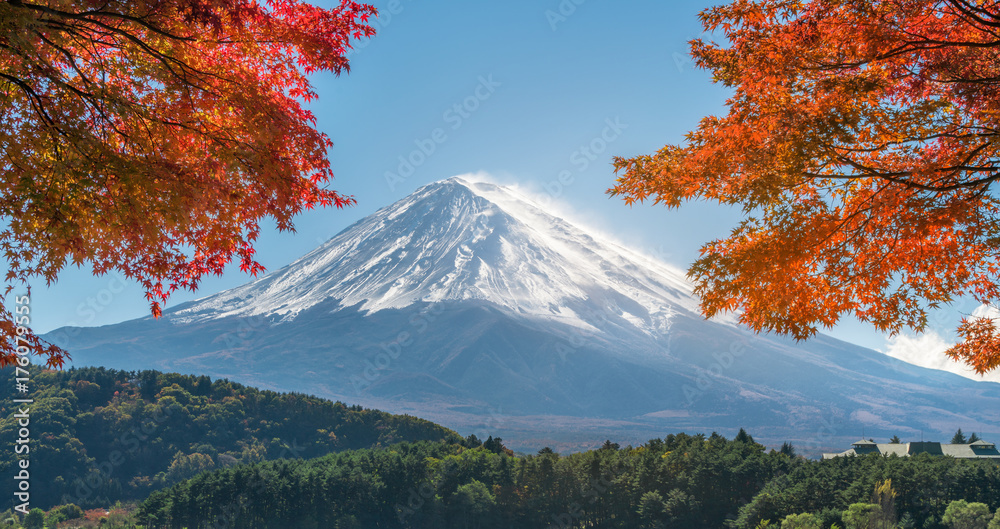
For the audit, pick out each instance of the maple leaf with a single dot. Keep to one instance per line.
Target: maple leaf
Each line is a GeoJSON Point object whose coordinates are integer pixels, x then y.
{"type": "Point", "coordinates": [862, 141]}
{"type": "Point", "coordinates": [151, 137]}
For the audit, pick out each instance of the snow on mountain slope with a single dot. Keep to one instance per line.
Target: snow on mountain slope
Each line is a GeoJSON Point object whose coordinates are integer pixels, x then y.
{"type": "Point", "coordinates": [463, 240]}
{"type": "Point", "coordinates": [468, 299]}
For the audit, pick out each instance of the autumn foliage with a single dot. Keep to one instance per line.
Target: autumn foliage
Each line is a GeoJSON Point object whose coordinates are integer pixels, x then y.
{"type": "Point", "coordinates": [151, 137]}
{"type": "Point", "coordinates": [863, 144]}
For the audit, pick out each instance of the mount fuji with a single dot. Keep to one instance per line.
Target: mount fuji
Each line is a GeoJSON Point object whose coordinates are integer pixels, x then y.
{"type": "Point", "coordinates": [469, 304]}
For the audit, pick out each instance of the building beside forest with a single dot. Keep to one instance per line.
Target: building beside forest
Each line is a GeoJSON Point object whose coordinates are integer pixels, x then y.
{"type": "Point", "coordinates": [977, 450]}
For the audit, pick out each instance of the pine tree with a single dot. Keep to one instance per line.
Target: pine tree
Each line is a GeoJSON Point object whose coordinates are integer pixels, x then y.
{"type": "Point", "coordinates": [743, 437]}
{"type": "Point", "coordinates": [959, 438]}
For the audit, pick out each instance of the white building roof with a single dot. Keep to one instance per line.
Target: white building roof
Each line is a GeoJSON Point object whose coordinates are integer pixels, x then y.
{"type": "Point", "coordinates": [978, 450]}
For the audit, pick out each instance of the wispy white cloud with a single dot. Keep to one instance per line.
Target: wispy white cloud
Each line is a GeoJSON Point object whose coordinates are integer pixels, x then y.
{"type": "Point", "coordinates": [927, 350]}
{"type": "Point", "coordinates": [987, 311]}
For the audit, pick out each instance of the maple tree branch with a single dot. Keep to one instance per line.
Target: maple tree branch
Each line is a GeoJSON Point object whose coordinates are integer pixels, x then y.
{"type": "Point", "coordinates": [86, 16]}
{"type": "Point", "coordinates": [179, 69]}
{"type": "Point", "coordinates": [974, 12]}
{"type": "Point", "coordinates": [952, 134]}
{"type": "Point", "coordinates": [87, 96]}
{"type": "Point", "coordinates": [167, 61]}
{"type": "Point", "coordinates": [903, 49]}
{"type": "Point", "coordinates": [895, 178]}
{"type": "Point", "coordinates": [899, 177]}
{"type": "Point", "coordinates": [135, 132]}
{"type": "Point", "coordinates": [91, 99]}
{"type": "Point", "coordinates": [870, 200]}
{"type": "Point", "coordinates": [36, 100]}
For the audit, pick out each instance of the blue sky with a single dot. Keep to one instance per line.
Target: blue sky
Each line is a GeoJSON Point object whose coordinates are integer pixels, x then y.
{"type": "Point", "coordinates": [542, 93]}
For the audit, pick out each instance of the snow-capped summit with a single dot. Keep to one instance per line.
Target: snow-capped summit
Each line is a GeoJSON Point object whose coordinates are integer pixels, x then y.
{"type": "Point", "coordinates": [459, 239]}
{"type": "Point", "coordinates": [470, 303]}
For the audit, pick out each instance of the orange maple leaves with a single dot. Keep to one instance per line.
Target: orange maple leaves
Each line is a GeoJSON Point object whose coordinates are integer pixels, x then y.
{"type": "Point", "coordinates": [862, 142]}
{"type": "Point", "coordinates": [151, 137]}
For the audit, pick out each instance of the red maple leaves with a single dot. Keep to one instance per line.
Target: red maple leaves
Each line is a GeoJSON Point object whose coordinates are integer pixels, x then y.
{"type": "Point", "coordinates": [151, 137]}
{"type": "Point", "coordinates": [862, 142]}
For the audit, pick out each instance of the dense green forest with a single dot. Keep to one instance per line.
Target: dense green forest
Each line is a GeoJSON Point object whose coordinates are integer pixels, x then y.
{"type": "Point", "coordinates": [681, 481]}
{"type": "Point", "coordinates": [101, 435]}
{"type": "Point", "coordinates": [189, 452]}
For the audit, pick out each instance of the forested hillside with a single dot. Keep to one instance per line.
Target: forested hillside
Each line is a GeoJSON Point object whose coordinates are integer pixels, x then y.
{"type": "Point", "coordinates": [99, 435]}
{"type": "Point", "coordinates": [204, 453]}
{"type": "Point", "coordinates": [682, 481]}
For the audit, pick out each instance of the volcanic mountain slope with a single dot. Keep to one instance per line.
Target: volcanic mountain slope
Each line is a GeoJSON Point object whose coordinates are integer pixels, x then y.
{"type": "Point", "coordinates": [469, 304]}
